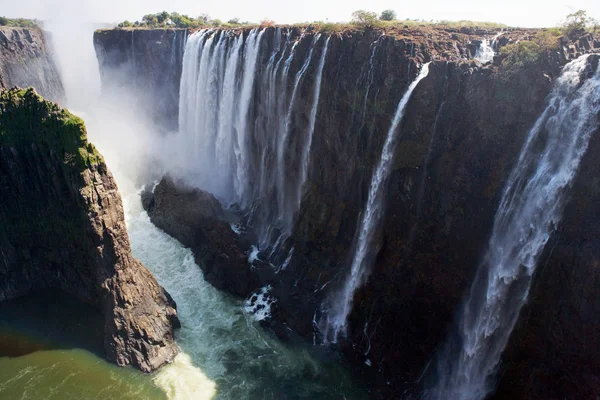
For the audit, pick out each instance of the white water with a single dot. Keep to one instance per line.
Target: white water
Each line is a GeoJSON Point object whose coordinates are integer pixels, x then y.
{"type": "Point", "coordinates": [341, 305]}
{"type": "Point", "coordinates": [485, 52]}
{"type": "Point", "coordinates": [225, 354]}
{"type": "Point", "coordinates": [242, 135]}
{"type": "Point", "coordinates": [529, 211]}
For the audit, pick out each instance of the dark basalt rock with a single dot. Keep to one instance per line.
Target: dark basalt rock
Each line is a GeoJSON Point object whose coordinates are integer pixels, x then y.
{"type": "Point", "coordinates": [62, 226]}
{"type": "Point", "coordinates": [462, 131]}
{"type": "Point", "coordinates": [198, 221]}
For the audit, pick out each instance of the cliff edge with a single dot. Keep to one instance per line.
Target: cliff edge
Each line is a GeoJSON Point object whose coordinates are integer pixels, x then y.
{"type": "Point", "coordinates": [62, 226]}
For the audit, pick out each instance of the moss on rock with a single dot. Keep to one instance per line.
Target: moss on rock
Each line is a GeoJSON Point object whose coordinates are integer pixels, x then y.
{"type": "Point", "coordinates": [25, 117]}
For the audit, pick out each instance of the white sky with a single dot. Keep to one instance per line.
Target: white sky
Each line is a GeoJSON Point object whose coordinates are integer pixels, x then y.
{"type": "Point", "coordinates": [525, 13]}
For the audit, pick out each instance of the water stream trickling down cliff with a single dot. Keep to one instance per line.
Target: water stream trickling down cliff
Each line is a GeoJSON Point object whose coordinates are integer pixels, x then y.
{"type": "Point", "coordinates": [341, 304]}
{"type": "Point", "coordinates": [530, 210]}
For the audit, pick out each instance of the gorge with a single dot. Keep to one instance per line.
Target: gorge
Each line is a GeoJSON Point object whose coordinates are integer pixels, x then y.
{"type": "Point", "coordinates": [406, 200]}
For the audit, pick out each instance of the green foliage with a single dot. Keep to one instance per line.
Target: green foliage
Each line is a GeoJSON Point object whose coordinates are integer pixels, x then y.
{"type": "Point", "coordinates": [330, 27]}
{"type": "Point", "coordinates": [522, 54]}
{"type": "Point", "coordinates": [365, 19]}
{"type": "Point", "coordinates": [387, 15]}
{"type": "Point", "coordinates": [171, 20]}
{"type": "Point", "coordinates": [576, 23]}
{"type": "Point", "coordinates": [18, 22]}
{"type": "Point", "coordinates": [26, 119]}
{"type": "Point", "coordinates": [517, 56]}
{"type": "Point", "coordinates": [234, 21]}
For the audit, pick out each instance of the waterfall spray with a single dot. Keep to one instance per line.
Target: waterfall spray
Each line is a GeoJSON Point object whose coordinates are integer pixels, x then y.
{"type": "Point", "coordinates": [529, 211]}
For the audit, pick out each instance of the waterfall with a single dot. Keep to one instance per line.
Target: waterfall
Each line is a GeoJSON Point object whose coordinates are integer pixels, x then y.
{"type": "Point", "coordinates": [242, 134]}
{"type": "Point", "coordinates": [485, 52]}
{"type": "Point", "coordinates": [311, 128]}
{"type": "Point", "coordinates": [529, 211]}
{"type": "Point", "coordinates": [374, 210]}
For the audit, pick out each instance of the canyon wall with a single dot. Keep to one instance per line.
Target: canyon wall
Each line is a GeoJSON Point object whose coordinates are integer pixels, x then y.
{"type": "Point", "coordinates": [144, 67]}
{"type": "Point", "coordinates": [62, 226]}
{"type": "Point", "coordinates": [26, 60]}
{"type": "Point", "coordinates": [463, 130]}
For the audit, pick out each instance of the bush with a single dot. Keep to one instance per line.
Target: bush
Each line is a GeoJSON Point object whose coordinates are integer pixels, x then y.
{"type": "Point", "coordinates": [365, 19]}
{"type": "Point", "coordinates": [575, 24]}
{"type": "Point", "coordinates": [18, 22]}
{"type": "Point", "coordinates": [234, 21]}
{"type": "Point", "coordinates": [388, 15]}
{"type": "Point", "coordinates": [329, 27]}
{"type": "Point", "coordinates": [267, 23]}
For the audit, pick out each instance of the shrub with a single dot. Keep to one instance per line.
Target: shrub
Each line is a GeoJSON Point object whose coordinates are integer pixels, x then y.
{"type": "Point", "coordinates": [266, 23]}
{"type": "Point", "coordinates": [574, 26]}
{"type": "Point", "coordinates": [329, 27]}
{"type": "Point", "coordinates": [234, 21]}
{"type": "Point", "coordinates": [20, 22]}
{"type": "Point", "coordinates": [365, 19]}
{"type": "Point", "coordinates": [519, 55]}
{"type": "Point", "coordinates": [388, 15]}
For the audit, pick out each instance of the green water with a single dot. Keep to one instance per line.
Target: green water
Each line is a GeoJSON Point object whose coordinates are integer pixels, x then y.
{"type": "Point", "coordinates": [52, 345]}
{"type": "Point", "coordinates": [55, 353]}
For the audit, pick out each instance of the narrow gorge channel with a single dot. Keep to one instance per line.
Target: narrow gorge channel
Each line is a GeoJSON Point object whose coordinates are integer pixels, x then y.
{"type": "Point", "coordinates": [287, 212]}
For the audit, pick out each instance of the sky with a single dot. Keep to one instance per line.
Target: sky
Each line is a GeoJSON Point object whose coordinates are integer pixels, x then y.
{"type": "Point", "coordinates": [523, 13]}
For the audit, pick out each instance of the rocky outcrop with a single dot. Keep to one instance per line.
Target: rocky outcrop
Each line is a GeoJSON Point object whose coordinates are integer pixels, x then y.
{"type": "Point", "coordinates": [197, 220]}
{"type": "Point", "coordinates": [462, 132]}
{"type": "Point", "coordinates": [26, 60]}
{"type": "Point", "coordinates": [62, 226]}
{"type": "Point", "coordinates": [143, 66]}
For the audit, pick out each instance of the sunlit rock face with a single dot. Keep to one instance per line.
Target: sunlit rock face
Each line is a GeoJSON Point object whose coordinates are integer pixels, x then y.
{"type": "Point", "coordinates": [26, 60]}
{"type": "Point", "coordinates": [62, 226]}
{"type": "Point", "coordinates": [461, 135]}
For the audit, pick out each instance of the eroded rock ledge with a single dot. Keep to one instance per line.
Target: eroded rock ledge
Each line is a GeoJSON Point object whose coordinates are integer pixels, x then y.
{"type": "Point", "coordinates": [62, 226]}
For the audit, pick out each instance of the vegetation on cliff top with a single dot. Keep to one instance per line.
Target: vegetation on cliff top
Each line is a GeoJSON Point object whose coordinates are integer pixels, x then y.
{"type": "Point", "coordinates": [26, 118]}
{"type": "Point", "coordinates": [360, 19]}
{"type": "Point", "coordinates": [19, 22]}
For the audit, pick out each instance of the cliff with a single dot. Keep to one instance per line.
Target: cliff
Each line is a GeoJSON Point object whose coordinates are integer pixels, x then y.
{"type": "Point", "coordinates": [463, 130]}
{"type": "Point", "coordinates": [143, 66]}
{"type": "Point", "coordinates": [62, 226]}
{"type": "Point", "coordinates": [26, 60]}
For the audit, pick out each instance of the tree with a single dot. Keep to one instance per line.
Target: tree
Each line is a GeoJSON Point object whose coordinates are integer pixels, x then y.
{"type": "Point", "coordinates": [575, 24]}
{"type": "Point", "coordinates": [365, 19]}
{"type": "Point", "coordinates": [162, 17]}
{"type": "Point", "coordinates": [234, 21]}
{"type": "Point", "coordinates": [204, 18]}
{"type": "Point", "coordinates": [3, 21]}
{"type": "Point", "coordinates": [388, 15]}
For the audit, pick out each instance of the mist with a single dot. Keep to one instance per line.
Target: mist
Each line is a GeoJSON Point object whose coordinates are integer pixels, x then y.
{"type": "Point", "coordinates": [116, 125]}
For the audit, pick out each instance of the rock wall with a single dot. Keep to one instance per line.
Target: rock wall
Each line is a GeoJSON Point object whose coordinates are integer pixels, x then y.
{"type": "Point", "coordinates": [26, 60]}
{"type": "Point", "coordinates": [62, 226]}
{"type": "Point", "coordinates": [144, 67]}
{"type": "Point", "coordinates": [463, 130]}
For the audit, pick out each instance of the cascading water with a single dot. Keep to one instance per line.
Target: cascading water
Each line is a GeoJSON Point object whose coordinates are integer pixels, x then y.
{"type": "Point", "coordinates": [341, 305]}
{"type": "Point", "coordinates": [485, 52]}
{"type": "Point", "coordinates": [243, 144]}
{"type": "Point", "coordinates": [529, 211]}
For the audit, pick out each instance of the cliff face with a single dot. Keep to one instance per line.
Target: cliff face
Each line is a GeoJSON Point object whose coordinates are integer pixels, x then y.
{"type": "Point", "coordinates": [26, 60]}
{"type": "Point", "coordinates": [463, 130]}
{"type": "Point", "coordinates": [145, 66]}
{"type": "Point", "coordinates": [62, 226]}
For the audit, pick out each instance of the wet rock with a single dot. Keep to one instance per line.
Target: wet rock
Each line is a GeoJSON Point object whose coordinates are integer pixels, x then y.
{"type": "Point", "coordinates": [197, 220]}
{"type": "Point", "coordinates": [62, 226]}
